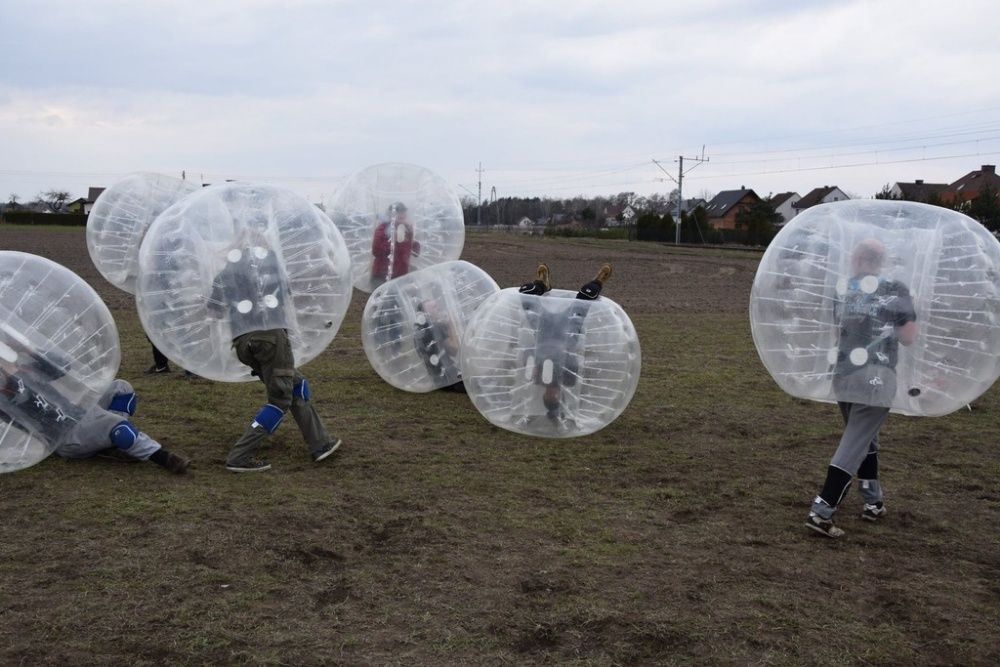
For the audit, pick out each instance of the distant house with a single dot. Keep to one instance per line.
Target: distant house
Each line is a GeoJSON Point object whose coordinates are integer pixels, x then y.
{"type": "Point", "coordinates": [917, 191]}
{"type": "Point", "coordinates": [525, 221]}
{"type": "Point", "coordinates": [689, 205]}
{"type": "Point", "coordinates": [78, 206]}
{"type": "Point", "coordinates": [969, 186]}
{"type": "Point", "coordinates": [727, 205]}
{"type": "Point", "coordinates": [823, 195]}
{"type": "Point", "coordinates": [784, 205]}
{"type": "Point", "coordinates": [92, 195]}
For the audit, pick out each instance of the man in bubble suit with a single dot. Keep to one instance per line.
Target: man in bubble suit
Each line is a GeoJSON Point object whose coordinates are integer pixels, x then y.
{"type": "Point", "coordinates": [254, 269]}
{"type": "Point", "coordinates": [107, 427]}
{"type": "Point", "coordinates": [875, 316]}
{"type": "Point", "coordinates": [392, 246]}
{"type": "Point", "coordinates": [433, 324]}
{"type": "Point", "coordinates": [556, 344]}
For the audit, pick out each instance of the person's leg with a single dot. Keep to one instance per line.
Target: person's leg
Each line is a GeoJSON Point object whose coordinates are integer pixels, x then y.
{"type": "Point", "coordinates": [869, 485]}
{"type": "Point", "coordinates": [107, 426]}
{"type": "Point", "coordinates": [269, 354]}
{"type": "Point", "coordinates": [313, 431]}
{"type": "Point", "coordinates": [590, 291]}
{"type": "Point", "coordinates": [862, 423]}
{"type": "Point", "coordinates": [160, 362]}
{"type": "Point", "coordinates": [540, 285]}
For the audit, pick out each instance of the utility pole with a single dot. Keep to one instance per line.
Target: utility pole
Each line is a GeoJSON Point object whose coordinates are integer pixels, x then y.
{"type": "Point", "coordinates": [479, 201]}
{"type": "Point", "coordinates": [680, 189]}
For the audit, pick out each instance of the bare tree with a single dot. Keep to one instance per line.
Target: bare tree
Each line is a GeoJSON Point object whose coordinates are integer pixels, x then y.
{"type": "Point", "coordinates": [12, 199]}
{"type": "Point", "coordinates": [54, 199]}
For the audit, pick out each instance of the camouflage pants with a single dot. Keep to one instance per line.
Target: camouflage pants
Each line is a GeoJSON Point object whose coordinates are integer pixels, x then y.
{"type": "Point", "coordinates": [269, 355]}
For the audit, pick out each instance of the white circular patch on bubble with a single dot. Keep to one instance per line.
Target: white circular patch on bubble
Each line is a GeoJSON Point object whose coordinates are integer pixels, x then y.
{"type": "Point", "coordinates": [59, 353]}
{"type": "Point", "coordinates": [550, 366]}
{"type": "Point", "coordinates": [413, 325]}
{"type": "Point", "coordinates": [397, 218]}
{"type": "Point", "coordinates": [945, 262]}
{"type": "Point", "coordinates": [209, 262]}
{"type": "Point", "coordinates": [120, 217]}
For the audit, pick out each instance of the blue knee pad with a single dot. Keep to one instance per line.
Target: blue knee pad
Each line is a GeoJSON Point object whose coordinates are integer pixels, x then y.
{"type": "Point", "coordinates": [269, 417]}
{"type": "Point", "coordinates": [301, 390]}
{"type": "Point", "coordinates": [124, 403]}
{"type": "Point", "coordinates": [124, 435]}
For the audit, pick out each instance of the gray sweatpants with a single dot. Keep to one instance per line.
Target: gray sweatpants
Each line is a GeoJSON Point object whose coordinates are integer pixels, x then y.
{"type": "Point", "coordinates": [860, 438]}
{"type": "Point", "coordinates": [93, 433]}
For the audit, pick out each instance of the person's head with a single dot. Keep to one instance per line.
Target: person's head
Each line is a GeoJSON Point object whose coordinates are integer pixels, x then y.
{"type": "Point", "coordinates": [867, 257]}
{"type": "Point", "coordinates": [397, 211]}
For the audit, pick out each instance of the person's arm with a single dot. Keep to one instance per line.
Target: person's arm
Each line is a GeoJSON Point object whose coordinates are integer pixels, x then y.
{"type": "Point", "coordinates": [907, 333]}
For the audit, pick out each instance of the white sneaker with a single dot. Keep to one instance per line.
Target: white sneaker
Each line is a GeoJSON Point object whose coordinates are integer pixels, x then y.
{"type": "Point", "coordinates": [824, 526]}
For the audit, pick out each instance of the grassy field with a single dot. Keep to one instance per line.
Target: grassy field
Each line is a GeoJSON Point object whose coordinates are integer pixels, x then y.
{"type": "Point", "coordinates": [673, 536]}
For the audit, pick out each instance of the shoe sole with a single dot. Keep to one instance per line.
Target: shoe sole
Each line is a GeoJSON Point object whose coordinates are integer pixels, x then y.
{"type": "Point", "coordinates": [819, 530]}
{"type": "Point", "coordinates": [327, 453]}
{"type": "Point", "coordinates": [239, 469]}
{"type": "Point", "coordinates": [872, 518]}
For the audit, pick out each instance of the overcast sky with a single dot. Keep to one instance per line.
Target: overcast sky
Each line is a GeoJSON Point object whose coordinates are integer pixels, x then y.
{"type": "Point", "coordinates": [553, 97]}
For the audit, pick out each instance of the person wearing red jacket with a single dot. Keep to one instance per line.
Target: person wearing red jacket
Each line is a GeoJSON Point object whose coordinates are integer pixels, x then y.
{"type": "Point", "coordinates": [392, 246]}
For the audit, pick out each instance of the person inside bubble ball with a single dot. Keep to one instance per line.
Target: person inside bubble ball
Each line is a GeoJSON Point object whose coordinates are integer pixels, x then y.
{"type": "Point", "coordinates": [875, 316]}
{"type": "Point", "coordinates": [554, 362]}
{"type": "Point", "coordinates": [252, 291]}
{"type": "Point", "coordinates": [437, 341]}
{"type": "Point", "coordinates": [392, 245]}
{"type": "Point", "coordinates": [107, 428]}
{"type": "Point", "coordinates": [36, 390]}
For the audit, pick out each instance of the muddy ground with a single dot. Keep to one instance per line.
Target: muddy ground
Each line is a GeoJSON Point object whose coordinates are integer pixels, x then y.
{"type": "Point", "coordinates": [673, 536]}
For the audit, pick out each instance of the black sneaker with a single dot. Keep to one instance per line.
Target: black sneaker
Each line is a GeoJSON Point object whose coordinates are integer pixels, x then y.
{"type": "Point", "coordinates": [824, 526]}
{"type": "Point", "coordinates": [330, 448]}
{"type": "Point", "coordinates": [250, 465]}
{"type": "Point", "coordinates": [873, 512]}
{"type": "Point", "coordinates": [156, 370]}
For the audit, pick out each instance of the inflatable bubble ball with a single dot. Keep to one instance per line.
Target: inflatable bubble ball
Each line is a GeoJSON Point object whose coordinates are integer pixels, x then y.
{"type": "Point", "coordinates": [885, 303]}
{"type": "Point", "coordinates": [550, 366]}
{"type": "Point", "coordinates": [412, 327]}
{"type": "Point", "coordinates": [120, 218]}
{"type": "Point", "coordinates": [397, 218]}
{"type": "Point", "coordinates": [59, 352]}
{"type": "Point", "coordinates": [236, 258]}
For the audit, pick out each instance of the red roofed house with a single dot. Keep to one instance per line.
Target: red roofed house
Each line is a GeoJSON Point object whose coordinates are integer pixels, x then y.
{"type": "Point", "coordinates": [969, 186]}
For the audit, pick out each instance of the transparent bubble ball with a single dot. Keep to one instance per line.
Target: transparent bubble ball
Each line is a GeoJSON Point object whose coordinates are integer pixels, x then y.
{"type": "Point", "coordinates": [833, 297]}
{"type": "Point", "coordinates": [551, 366]}
{"type": "Point", "coordinates": [397, 218]}
{"type": "Point", "coordinates": [59, 352]}
{"type": "Point", "coordinates": [412, 326]}
{"type": "Point", "coordinates": [236, 258]}
{"type": "Point", "coordinates": [119, 220]}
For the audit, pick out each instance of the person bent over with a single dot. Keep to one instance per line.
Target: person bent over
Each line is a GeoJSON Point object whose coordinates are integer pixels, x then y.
{"type": "Point", "coordinates": [253, 292]}
{"type": "Point", "coordinates": [269, 354]}
{"type": "Point", "coordinates": [555, 358]}
{"type": "Point", "coordinates": [108, 425]}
